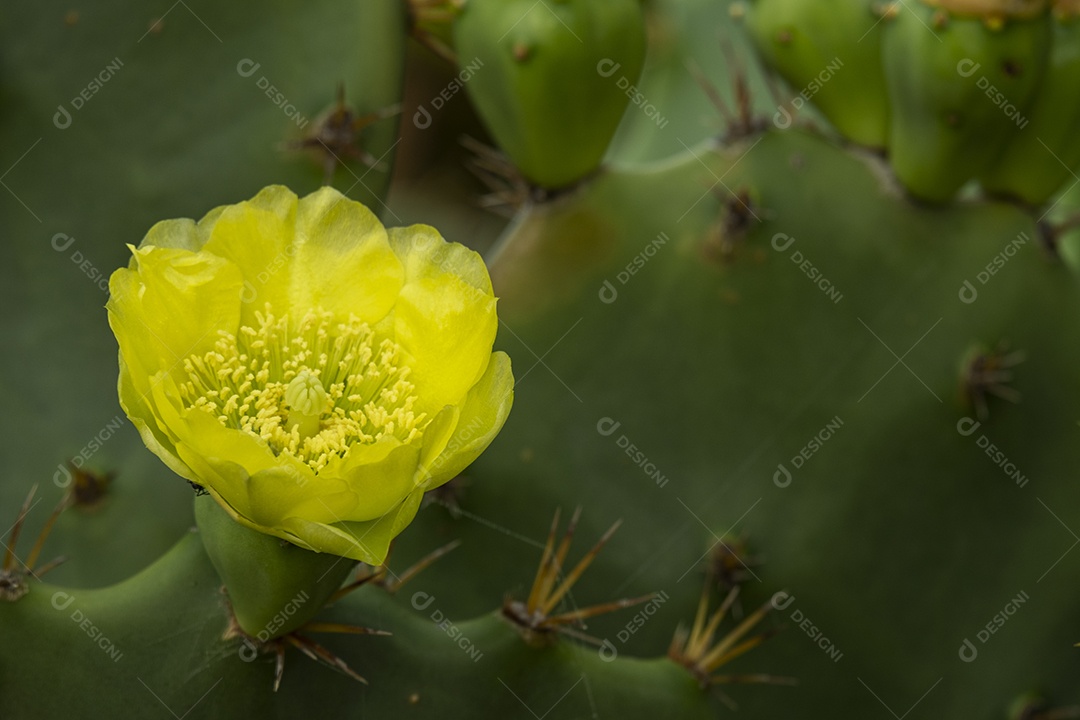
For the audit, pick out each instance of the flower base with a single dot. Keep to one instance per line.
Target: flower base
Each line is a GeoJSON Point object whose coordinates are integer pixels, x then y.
{"type": "Point", "coordinates": [274, 586]}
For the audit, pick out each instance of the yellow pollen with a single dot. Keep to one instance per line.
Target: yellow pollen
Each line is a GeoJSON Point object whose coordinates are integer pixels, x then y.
{"type": "Point", "coordinates": [310, 389]}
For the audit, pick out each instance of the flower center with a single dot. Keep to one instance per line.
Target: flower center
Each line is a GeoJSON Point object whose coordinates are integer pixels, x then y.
{"type": "Point", "coordinates": [312, 389]}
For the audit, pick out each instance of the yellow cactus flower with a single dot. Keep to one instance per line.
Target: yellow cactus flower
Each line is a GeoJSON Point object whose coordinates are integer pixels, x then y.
{"type": "Point", "coordinates": [314, 371]}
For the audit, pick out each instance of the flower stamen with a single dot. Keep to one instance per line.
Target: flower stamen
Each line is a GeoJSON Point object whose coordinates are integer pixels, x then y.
{"type": "Point", "coordinates": [309, 389]}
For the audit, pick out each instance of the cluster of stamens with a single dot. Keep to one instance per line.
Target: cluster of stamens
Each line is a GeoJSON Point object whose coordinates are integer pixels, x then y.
{"type": "Point", "coordinates": [311, 388]}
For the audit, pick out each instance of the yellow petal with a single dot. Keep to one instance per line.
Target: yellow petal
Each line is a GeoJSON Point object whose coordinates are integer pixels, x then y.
{"type": "Point", "coordinates": [322, 251]}
{"type": "Point", "coordinates": [151, 308]}
{"type": "Point", "coordinates": [380, 484]}
{"type": "Point", "coordinates": [180, 234]}
{"type": "Point", "coordinates": [278, 493]}
{"type": "Point", "coordinates": [257, 236]}
{"type": "Point", "coordinates": [365, 541]}
{"type": "Point", "coordinates": [343, 262]}
{"type": "Point", "coordinates": [155, 435]}
{"type": "Point", "coordinates": [445, 316]}
{"type": "Point", "coordinates": [482, 417]}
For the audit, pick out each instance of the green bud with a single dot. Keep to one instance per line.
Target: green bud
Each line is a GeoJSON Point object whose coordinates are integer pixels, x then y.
{"type": "Point", "coordinates": [274, 586]}
{"type": "Point", "coordinates": [830, 54]}
{"type": "Point", "coordinates": [554, 78]}
{"type": "Point", "coordinates": [1040, 157]}
{"type": "Point", "coordinates": [955, 86]}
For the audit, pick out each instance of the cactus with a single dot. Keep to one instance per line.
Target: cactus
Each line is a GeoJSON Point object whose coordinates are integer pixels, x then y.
{"type": "Point", "coordinates": [836, 426]}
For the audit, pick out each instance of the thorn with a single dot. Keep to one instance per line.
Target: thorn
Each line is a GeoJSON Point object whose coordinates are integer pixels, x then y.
{"type": "Point", "coordinates": [16, 529]}
{"type": "Point", "coordinates": [317, 652]}
{"type": "Point", "coordinates": [533, 618]}
{"type": "Point", "coordinates": [31, 559]}
{"type": "Point", "coordinates": [343, 629]}
{"type": "Point", "coordinates": [419, 566]}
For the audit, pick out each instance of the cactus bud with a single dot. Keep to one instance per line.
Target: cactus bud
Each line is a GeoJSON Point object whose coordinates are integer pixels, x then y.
{"type": "Point", "coordinates": [831, 57]}
{"type": "Point", "coordinates": [556, 78]}
{"type": "Point", "coordinates": [956, 86]}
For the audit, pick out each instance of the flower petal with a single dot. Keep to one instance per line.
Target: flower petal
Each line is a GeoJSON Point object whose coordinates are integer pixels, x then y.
{"type": "Point", "coordinates": [365, 541]}
{"type": "Point", "coordinates": [379, 485]}
{"type": "Point", "coordinates": [482, 417]}
{"type": "Point", "coordinates": [182, 233]}
{"type": "Point", "coordinates": [151, 308]}
{"type": "Point", "coordinates": [278, 493]}
{"type": "Point", "coordinates": [155, 435]}
{"type": "Point", "coordinates": [324, 250]}
{"type": "Point", "coordinates": [343, 262]}
{"type": "Point", "coordinates": [445, 316]}
{"type": "Point", "coordinates": [257, 236]}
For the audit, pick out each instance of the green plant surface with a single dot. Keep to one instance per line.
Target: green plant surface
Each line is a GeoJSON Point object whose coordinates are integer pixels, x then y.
{"type": "Point", "coordinates": [639, 299]}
